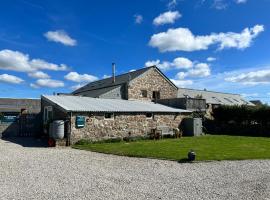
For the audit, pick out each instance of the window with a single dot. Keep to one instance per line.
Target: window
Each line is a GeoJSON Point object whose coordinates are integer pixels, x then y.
{"type": "Point", "coordinates": [156, 95]}
{"type": "Point", "coordinates": [108, 115]}
{"type": "Point", "coordinates": [149, 115]}
{"type": "Point", "coordinates": [47, 115]}
{"type": "Point", "coordinates": [144, 93]}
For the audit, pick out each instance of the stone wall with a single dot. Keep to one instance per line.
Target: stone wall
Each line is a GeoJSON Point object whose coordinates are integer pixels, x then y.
{"type": "Point", "coordinates": [151, 81]}
{"type": "Point", "coordinates": [122, 125]}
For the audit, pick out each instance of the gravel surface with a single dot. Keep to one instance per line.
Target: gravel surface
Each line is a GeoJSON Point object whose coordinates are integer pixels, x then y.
{"type": "Point", "coordinates": [65, 173]}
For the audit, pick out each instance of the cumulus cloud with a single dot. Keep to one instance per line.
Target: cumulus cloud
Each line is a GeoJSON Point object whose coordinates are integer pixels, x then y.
{"type": "Point", "coordinates": [60, 36]}
{"type": "Point", "coordinates": [251, 78]}
{"type": "Point", "coordinates": [76, 87]}
{"type": "Point", "coordinates": [50, 83]}
{"type": "Point", "coordinates": [246, 95]}
{"type": "Point", "coordinates": [138, 19]}
{"type": "Point", "coordinates": [198, 71]}
{"type": "Point", "coordinates": [182, 39]}
{"type": "Point", "coordinates": [10, 79]}
{"type": "Point", "coordinates": [74, 76]}
{"type": "Point", "coordinates": [161, 65]}
{"type": "Point", "coordinates": [17, 61]}
{"type": "Point", "coordinates": [211, 59]}
{"type": "Point", "coordinates": [39, 74]}
{"type": "Point", "coordinates": [191, 69]}
{"type": "Point", "coordinates": [182, 63]}
{"type": "Point", "coordinates": [182, 83]}
{"type": "Point", "coordinates": [167, 18]}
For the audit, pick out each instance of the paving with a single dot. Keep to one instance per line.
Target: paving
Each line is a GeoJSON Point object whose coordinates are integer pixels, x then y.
{"type": "Point", "coordinates": [28, 170]}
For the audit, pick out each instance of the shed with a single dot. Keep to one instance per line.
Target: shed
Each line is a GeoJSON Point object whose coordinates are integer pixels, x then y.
{"type": "Point", "coordinates": [106, 118]}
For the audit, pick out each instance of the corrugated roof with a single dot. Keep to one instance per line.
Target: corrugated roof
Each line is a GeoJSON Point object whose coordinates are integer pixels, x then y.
{"type": "Point", "coordinates": [88, 104]}
{"type": "Point", "coordinates": [213, 97]}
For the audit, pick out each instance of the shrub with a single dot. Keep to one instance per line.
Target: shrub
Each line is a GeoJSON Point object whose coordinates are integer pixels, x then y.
{"type": "Point", "coordinates": [240, 120]}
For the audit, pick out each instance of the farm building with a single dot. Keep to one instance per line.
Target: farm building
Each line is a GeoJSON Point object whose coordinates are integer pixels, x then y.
{"type": "Point", "coordinates": [151, 84]}
{"type": "Point", "coordinates": [19, 117]}
{"type": "Point", "coordinates": [94, 118]}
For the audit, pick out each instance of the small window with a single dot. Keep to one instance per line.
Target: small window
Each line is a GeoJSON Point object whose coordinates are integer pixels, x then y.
{"type": "Point", "coordinates": [108, 115]}
{"type": "Point", "coordinates": [149, 115]}
{"type": "Point", "coordinates": [156, 95]}
{"type": "Point", "coordinates": [47, 114]}
{"type": "Point", "coordinates": [144, 93]}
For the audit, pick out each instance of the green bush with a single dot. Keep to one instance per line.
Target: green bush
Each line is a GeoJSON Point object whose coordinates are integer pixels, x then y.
{"type": "Point", "coordinates": [240, 120]}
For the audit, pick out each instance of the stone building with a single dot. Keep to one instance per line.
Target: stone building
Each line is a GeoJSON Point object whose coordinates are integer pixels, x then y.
{"type": "Point", "coordinates": [151, 84]}
{"type": "Point", "coordinates": [107, 118]}
{"type": "Point", "coordinates": [144, 84]}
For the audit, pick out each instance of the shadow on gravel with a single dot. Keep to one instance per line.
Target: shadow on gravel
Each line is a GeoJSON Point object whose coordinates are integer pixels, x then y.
{"type": "Point", "coordinates": [27, 141]}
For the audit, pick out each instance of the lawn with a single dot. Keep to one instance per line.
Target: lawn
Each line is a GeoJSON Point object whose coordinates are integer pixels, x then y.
{"type": "Point", "coordinates": [209, 147]}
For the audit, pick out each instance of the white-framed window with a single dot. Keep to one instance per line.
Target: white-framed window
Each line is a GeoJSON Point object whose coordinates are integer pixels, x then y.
{"type": "Point", "coordinates": [109, 116]}
{"type": "Point", "coordinates": [48, 114]}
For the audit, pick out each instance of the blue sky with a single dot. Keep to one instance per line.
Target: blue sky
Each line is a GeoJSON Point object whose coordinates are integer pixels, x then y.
{"type": "Point", "coordinates": [56, 46]}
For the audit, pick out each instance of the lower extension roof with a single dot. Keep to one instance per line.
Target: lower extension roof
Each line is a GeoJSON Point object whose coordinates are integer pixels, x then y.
{"type": "Point", "coordinates": [88, 104]}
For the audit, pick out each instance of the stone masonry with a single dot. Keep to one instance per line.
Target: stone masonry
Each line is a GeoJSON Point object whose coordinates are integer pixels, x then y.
{"type": "Point", "coordinates": [122, 125]}
{"type": "Point", "coordinates": [151, 81]}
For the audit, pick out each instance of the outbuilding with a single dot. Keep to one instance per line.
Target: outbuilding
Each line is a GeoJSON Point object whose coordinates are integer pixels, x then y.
{"type": "Point", "coordinates": [96, 119]}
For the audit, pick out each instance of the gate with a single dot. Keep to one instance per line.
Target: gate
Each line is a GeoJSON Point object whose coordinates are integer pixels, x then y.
{"type": "Point", "coordinates": [30, 125]}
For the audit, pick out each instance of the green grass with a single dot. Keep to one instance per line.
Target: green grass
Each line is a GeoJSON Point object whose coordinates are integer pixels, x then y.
{"type": "Point", "coordinates": [209, 147]}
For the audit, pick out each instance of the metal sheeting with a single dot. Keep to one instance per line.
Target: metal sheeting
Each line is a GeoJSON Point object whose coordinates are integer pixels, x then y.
{"type": "Point", "coordinates": [213, 97]}
{"type": "Point", "coordinates": [88, 104]}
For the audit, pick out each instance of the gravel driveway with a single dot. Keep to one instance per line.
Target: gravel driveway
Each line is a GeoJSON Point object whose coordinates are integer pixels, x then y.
{"type": "Point", "coordinates": [65, 173]}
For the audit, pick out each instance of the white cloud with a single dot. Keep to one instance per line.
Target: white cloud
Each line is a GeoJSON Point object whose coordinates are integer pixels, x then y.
{"type": "Point", "coordinates": [240, 1]}
{"type": "Point", "coordinates": [167, 18]}
{"type": "Point", "coordinates": [33, 85]}
{"type": "Point", "coordinates": [138, 19]}
{"type": "Point", "coordinates": [251, 78]}
{"type": "Point", "coordinates": [182, 39]}
{"type": "Point", "coordinates": [76, 87]}
{"type": "Point", "coordinates": [182, 83]}
{"type": "Point", "coordinates": [172, 4]}
{"type": "Point", "coordinates": [48, 83]}
{"type": "Point", "coordinates": [42, 64]}
{"type": "Point", "coordinates": [61, 37]}
{"type": "Point", "coordinates": [17, 61]}
{"type": "Point", "coordinates": [163, 66]}
{"type": "Point", "coordinates": [106, 76]}
{"type": "Point", "coordinates": [182, 63]}
{"type": "Point", "coordinates": [199, 70]}
{"type": "Point", "coordinates": [211, 59]}
{"type": "Point", "coordinates": [39, 74]}
{"type": "Point", "coordinates": [74, 76]}
{"type": "Point", "coordinates": [220, 4]}
{"type": "Point", "coordinates": [246, 95]}
{"type": "Point", "coordinates": [10, 79]}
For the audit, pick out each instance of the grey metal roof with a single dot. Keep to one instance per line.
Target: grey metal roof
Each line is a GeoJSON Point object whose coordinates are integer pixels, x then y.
{"type": "Point", "coordinates": [88, 104]}
{"type": "Point", "coordinates": [213, 97]}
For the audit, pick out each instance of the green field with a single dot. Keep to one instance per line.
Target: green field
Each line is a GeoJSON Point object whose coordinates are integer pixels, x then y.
{"type": "Point", "coordinates": [207, 147]}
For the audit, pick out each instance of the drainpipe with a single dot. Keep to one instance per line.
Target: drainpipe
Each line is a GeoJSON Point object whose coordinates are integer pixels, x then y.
{"type": "Point", "coordinates": [69, 129]}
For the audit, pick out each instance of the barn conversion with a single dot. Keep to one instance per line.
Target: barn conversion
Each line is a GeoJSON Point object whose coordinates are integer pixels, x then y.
{"type": "Point", "coordinates": [94, 118]}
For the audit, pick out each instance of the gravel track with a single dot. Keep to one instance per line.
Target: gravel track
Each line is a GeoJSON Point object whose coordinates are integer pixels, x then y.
{"type": "Point", "coordinates": [65, 173]}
